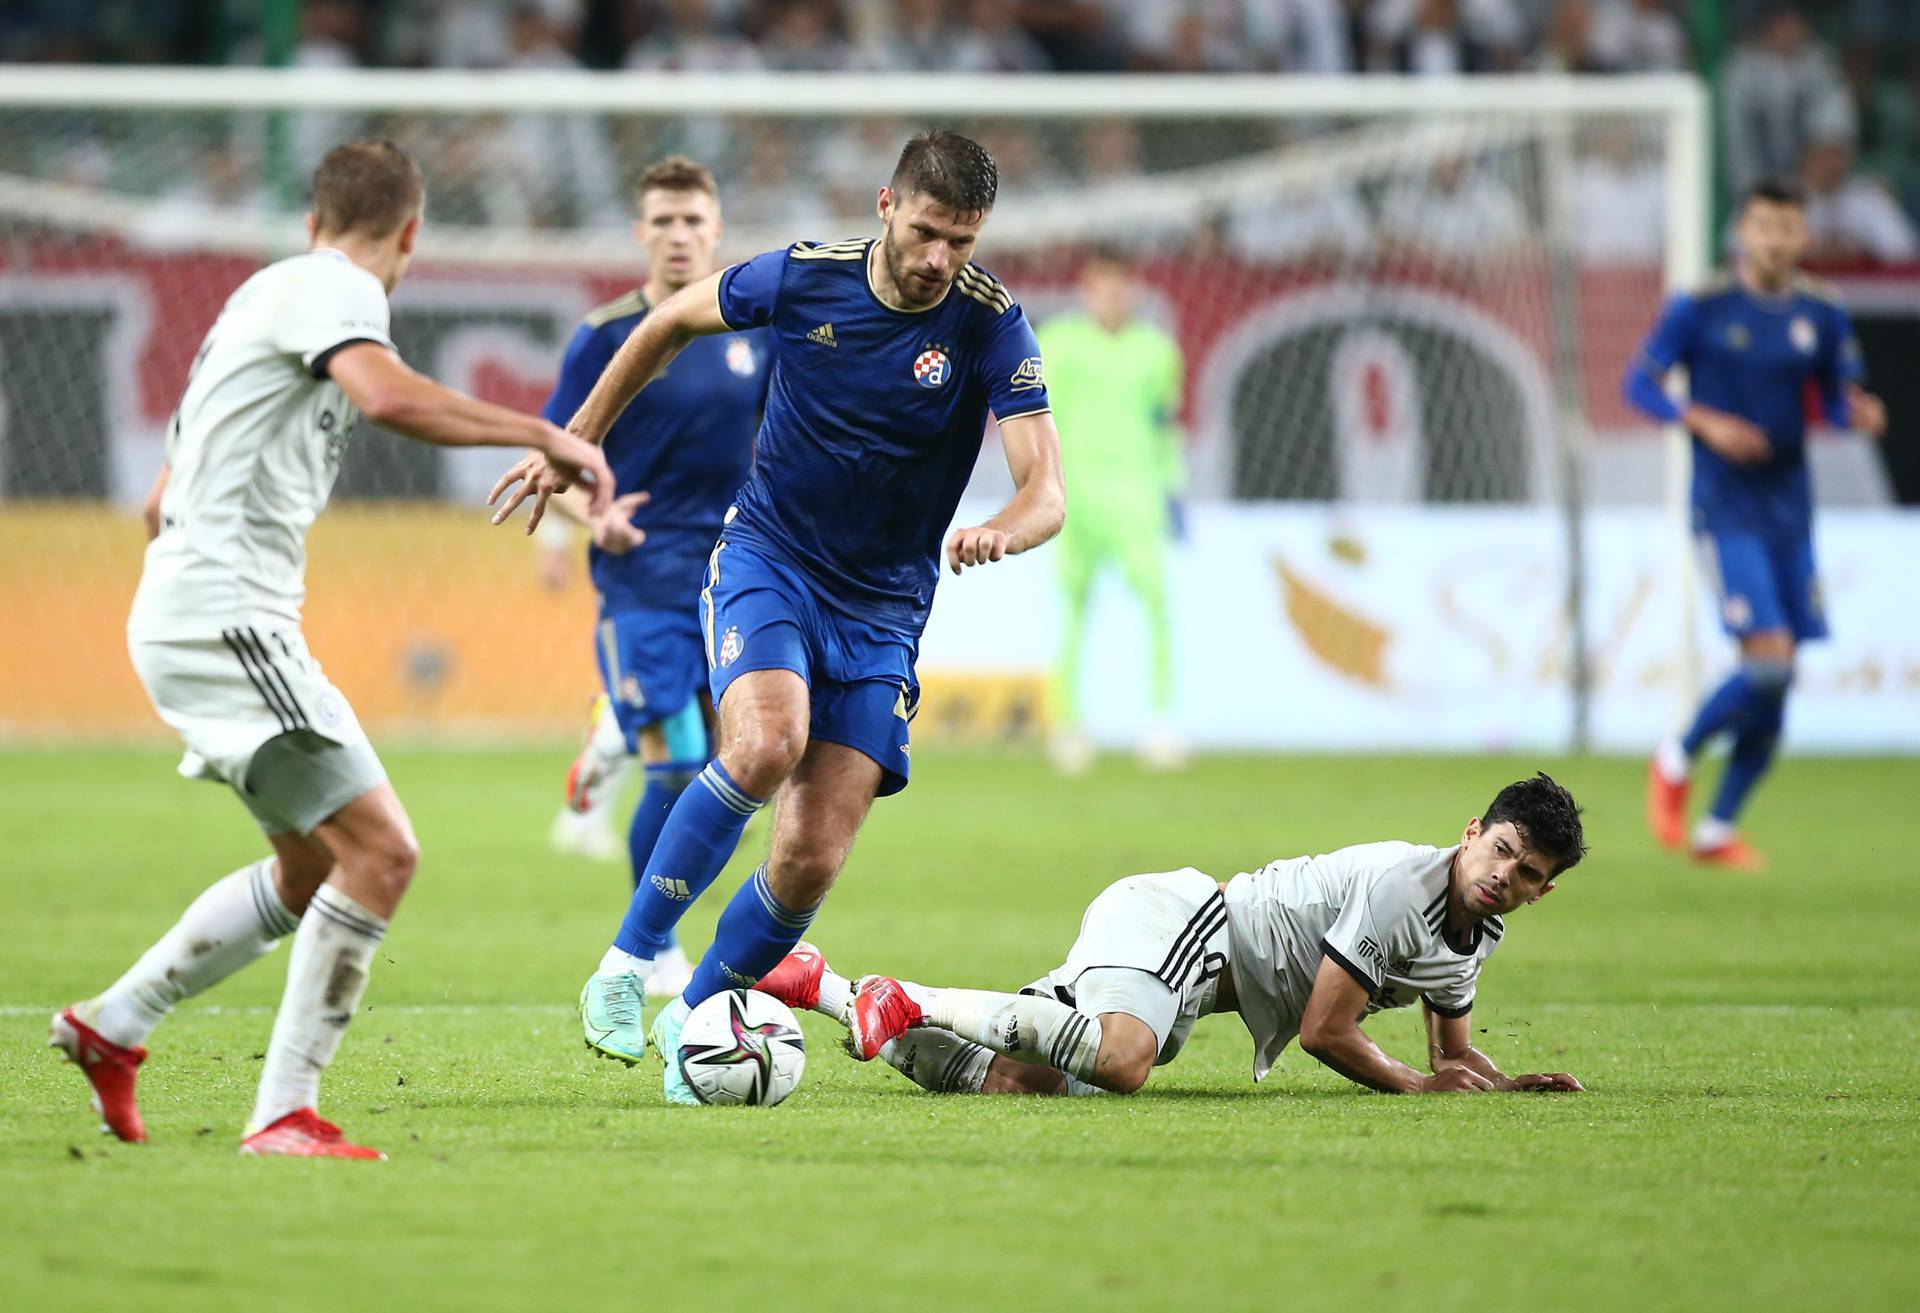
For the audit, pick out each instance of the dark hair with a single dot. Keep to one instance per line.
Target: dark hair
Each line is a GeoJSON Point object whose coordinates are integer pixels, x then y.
{"type": "Point", "coordinates": [954, 170]}
{"type": "Point", "coordinates": [1546, 816]}
{"type": "Point", "coordinates": [370, 187]}
{"type": "Point", "coordinates": [1112, 255]}
{"type": "Point", "coordinates": [676, 173]}
{"type": "Point", "coordinates": [1775, 191]}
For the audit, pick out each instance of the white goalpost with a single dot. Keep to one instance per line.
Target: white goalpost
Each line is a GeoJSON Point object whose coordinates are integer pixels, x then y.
{"type": "Point", "coordinates": [1397, 297]}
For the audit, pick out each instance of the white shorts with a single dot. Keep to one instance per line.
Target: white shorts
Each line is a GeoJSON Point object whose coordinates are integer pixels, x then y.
{"type": "Point", "coordinates": [229, 697]}
{"type": "Point", "coordinates": [1151, 946]}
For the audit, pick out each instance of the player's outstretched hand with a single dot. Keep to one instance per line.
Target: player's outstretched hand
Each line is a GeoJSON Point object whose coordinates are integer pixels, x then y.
{"type": "Point", "coordinates": [576, 460]}
{"type": "Point", "coordinates": [975, 546]}
{"type": "Point", "coordinates": [1549, 1082]}
{"type": "Point", "coordinates": [1456, 1080]}
{"type": "Point", "coordinates": [1737, 439]}
{"type": "Point", "coordinates": [1866, 413]}
{"type": "Point", "coordinates": [615, 533]}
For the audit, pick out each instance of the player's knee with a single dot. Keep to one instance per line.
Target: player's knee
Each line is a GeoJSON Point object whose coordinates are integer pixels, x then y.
{"type": "Point", "coordinates": [763, 754]}
{"type": "Point", "coordinates": [1126, 1055]}
{"type": "Point", "coordinates": [1770, 673]}
{"type": "Point", "coordinates": [389, 859]}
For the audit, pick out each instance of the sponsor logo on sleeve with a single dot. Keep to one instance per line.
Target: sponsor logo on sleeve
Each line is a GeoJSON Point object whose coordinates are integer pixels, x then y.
{"type": "Point", "coordinates": [1026, 376]}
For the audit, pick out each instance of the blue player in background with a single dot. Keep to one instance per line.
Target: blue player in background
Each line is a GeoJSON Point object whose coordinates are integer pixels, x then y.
{"type": "Point", "coordinates": [1755, 344]}
{"type": "Point", "coordinates": [678, 454]}
{"type": "Point", "coordinates": [889, 356]}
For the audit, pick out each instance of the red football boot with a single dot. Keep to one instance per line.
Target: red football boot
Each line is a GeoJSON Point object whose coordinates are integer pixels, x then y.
{"type": "Point", "coordinates": [1666, 808]}
{"type": "Point", "coordinates": [1736, 854]}
{"type": "Point", "coordinates": [882, 1011]}
{"type": "Point", "coordinates": [304, 1133]}
{"type": "Point", "coordinates": [796, 981]}
{"type": "Point", "coordinates": [108, 1067]}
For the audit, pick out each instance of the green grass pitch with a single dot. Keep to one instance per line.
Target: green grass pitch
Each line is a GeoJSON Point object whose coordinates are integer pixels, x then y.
{"type": "Point", "coordinates": [1751, 1044]}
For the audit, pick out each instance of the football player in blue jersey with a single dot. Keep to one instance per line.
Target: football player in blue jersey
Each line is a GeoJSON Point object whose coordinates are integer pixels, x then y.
{"type": "Point", "coordinates": [679, 453]}
{"type": "Point", "coordinates": [1754, 343]}
{"type": "Point", "coordinates": [889, 354]}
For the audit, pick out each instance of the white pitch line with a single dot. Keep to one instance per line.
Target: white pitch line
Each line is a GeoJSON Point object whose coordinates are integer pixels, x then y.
{"type": "Point", "coordinates": [404, 1009]}
{"type": "Point", "coordinates": [1502, 1013]}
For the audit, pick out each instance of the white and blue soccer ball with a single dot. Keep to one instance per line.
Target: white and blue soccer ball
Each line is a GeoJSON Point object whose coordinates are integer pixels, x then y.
{"type": "Point", "coordinates": [742, 1047]}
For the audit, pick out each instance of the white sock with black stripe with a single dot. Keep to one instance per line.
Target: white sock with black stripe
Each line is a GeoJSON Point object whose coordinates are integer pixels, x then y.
{"type": "Point", "coordinates": [1023, 1026]}
{"type": "Point", "coordinates": [326, 975]}
{"type": "Point", "coordinates": [939, 1060]}
{"type": "Point", "coordinates": [237, 919]}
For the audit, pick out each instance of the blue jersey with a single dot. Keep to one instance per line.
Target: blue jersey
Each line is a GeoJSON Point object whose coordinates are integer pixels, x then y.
{"type": "Point", "coordinates": [687, 440]}
{"type": "Point", "coordinates": [1757, 357]}
{"type": "Point", "coordinates": [873, 423]}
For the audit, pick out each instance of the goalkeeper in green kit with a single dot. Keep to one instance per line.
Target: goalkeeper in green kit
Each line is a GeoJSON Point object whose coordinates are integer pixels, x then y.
{"type": "Point", "coordinates": [1115, 381]}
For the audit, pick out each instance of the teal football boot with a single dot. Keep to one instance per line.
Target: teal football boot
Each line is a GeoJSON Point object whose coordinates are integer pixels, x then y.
{"type": "Point", "coordinates": [666, 1041]}
{"type": "Point", "coordinates": [613, 1016]}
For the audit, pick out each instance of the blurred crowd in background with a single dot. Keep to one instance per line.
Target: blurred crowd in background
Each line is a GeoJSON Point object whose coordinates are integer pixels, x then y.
{"type": "Point", "coordinates": [1828, 93]}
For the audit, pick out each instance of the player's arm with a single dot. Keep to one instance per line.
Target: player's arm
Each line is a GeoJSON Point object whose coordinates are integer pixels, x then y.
{"type": "Point", "coordinates": [1843, 402]}
{"type": "Point", "coordinates": [1331, 1032]}
{"type": "Point", "coordinates": [1039, 505]}
{"type": "Point", "coordinates": [150, 508]}
{"type": "Point", "coordinates": [396, 397]}
{"type": "Point", "coordinates": [693, 311]}
{"type": "Point", "coordinates": [1645, 387]}
{"type": "Point", "coordinates": [1450, 1044]}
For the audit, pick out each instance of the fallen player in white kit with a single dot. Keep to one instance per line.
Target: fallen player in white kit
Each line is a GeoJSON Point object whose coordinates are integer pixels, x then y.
{"type": "Point", "coordinates": [1308, 946]}
{"type": "Point", "coordinates": [300, 351]}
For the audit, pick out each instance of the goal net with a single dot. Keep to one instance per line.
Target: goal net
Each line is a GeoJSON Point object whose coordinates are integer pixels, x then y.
{"type": "Point", "coordinates": [1391, 297]}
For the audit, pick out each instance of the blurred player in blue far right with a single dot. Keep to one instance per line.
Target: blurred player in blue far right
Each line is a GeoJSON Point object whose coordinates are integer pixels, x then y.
{"type": "Point", "coordinates": [1753, 342]}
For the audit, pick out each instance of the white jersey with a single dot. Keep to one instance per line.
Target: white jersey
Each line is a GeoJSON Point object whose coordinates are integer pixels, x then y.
{"type": "Point", "coordinates": [1379, 910]}
{"type": "Point", "coordinates": [254, 449]}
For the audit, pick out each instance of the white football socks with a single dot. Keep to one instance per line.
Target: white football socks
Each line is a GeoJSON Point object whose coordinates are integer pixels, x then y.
{"type": "Point", "coordinates": [1023, 1026]}
{"type": "Point", "coordinates": [939, 1060]}
{"type": "Point", "coordinates": [836, 997]}
{"type": "Point", "coordinates": [1671, 760]}
{"type": "Point", "coordinates": [617, 959]}
{"type": "Point", "coordinates": [326, 975]}
{"type": "Point", "coordinates": [612, 761]}
{"type": "Point", "coordinates": [231, 924]}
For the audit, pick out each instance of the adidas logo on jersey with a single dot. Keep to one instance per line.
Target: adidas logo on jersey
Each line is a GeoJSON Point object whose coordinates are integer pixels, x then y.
{"type": "Point", "coordinates": [823, 335]}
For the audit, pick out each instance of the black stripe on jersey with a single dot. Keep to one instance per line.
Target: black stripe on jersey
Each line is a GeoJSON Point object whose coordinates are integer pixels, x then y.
{"type": "Point", "coordinates": [320, 362]}
{"type": "Point", "coordinates": [261, 686]}
{"type": "Point", "coordinates": [1439, 1010]}
{"type": "Point", "coordinates": [1494, 926]}
{"type": "Point", "coordinates": [1185, 942]}
{"type": "Point", "coordinates": [266, 659]}
{"type": "Point", "coordinates": [1197, 949]}
{"type": "Point", "coordinates": [1340, 960]}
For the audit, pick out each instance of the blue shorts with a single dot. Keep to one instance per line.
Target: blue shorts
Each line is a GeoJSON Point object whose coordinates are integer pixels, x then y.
{"type": "Point", "coordinates": [1765, 583]}
{"type": "Point", "coordinates": [652, 662]}
{"type": "Point", "coordinates": [762, 615]}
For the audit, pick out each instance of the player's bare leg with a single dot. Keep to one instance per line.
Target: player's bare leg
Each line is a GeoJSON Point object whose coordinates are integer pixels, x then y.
{"type": "Point", "coordinates": [375, 856]}
{"type": "Point", "coordinates": [764, 717]}
{"type": "Point", "coordinates": [228, 927]}
{"type": "Point", "coordinates": [818, 813]}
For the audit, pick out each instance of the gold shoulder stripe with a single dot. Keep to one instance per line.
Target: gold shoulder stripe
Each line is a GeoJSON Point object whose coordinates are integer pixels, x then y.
{"type": "Point", "coordinates": [985, 288]}
{"type": "Point", "coordinates": [838, 251]}
{"type": "Point", "coordinates": [1817, 288]}
{"type": "Point", "coordinates": [633, 303]}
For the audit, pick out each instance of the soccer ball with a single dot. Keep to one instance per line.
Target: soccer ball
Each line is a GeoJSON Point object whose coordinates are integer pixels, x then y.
{"type": "Point", "coordinates": [742, 1047]}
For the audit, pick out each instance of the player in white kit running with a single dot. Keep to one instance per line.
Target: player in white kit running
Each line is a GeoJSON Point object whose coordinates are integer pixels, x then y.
{"type": "Point", "coordinates": [299, 353]}
{"type": "Point", "coordinates": [1307, 946]}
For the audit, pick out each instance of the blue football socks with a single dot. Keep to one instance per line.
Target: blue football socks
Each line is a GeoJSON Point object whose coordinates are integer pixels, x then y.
{"type": "Point", "coordinates": [754, 933]}
{"type": "Point", "coordinates": [700, 834]}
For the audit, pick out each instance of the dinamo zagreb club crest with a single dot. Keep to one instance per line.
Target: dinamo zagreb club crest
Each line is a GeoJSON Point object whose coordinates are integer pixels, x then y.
{"type": "Point", "coordinates": [740, 357]}
{"type": "Point", "coordinates": [932, 367]}
{"type": "Point", "coordinates": [730, 645]}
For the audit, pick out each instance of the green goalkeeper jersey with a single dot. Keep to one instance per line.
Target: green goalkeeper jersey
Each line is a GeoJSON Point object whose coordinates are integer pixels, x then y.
{"type": "Point", "coordinates": [1115, 401]}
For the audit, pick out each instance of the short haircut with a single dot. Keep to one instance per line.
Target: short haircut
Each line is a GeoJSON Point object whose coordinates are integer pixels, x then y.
{"type": "Point", "coordinates": [946, 167]}
{"type": "Point", "coordinates": [1546, 816]}
{"type": "Point", "coordinates": [1775, 191]}
{"type": "Point", "coordinates": [676, 173]}
{"type": "Point", "coordinates": [369, 187]}
{"type": "Point", "coordinates": [1112, 255]}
